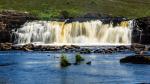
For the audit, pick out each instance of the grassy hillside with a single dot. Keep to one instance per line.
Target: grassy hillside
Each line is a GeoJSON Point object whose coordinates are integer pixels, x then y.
{"type": "Point", "coordinates": [75, 8]}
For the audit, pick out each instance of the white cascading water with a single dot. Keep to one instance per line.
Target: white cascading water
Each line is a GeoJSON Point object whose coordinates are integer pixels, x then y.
{"type": "Point", "coordinates": [75, 33]}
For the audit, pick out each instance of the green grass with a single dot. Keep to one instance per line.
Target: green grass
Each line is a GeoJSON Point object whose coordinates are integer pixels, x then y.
{"type": "Point", "coordinates": [46, 9]}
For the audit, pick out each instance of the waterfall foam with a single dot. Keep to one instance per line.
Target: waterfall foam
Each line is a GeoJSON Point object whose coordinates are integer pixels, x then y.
{"type": "Point", "coordinates": [75, 33]}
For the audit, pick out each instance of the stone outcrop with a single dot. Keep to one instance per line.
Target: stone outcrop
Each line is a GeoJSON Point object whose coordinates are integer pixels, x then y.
{"type": "Point", "coordinates": [141, 32]}
{"type": "Point", "coordinates": [10, 20]}
{"type": "Point", "coordinates": [137, 59]}
{"type": "Point", "coordinates": [136, 47]}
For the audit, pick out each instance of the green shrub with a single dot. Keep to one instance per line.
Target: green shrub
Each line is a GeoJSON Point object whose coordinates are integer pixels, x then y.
{"type": "Point", "coordinates": [79, 58]}
{"type": "Point", "coordinates": [93, 2]}
{"type": "Point", "coordinates": [64, 61]}
{"type": "Point", "coordinates": [64, 14]}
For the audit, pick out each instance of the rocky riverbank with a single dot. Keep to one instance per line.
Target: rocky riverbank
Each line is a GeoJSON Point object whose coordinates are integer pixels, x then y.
{"type": "Point", "coordinates": [65, 48]}
{"type": "Point", "coordinates": [74, 48]}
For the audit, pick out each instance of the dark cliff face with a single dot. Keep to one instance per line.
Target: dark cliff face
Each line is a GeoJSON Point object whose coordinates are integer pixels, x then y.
{"type": "Point", "coordinates": [141, 32]}
{"type": "Point", "coordinates": [10, 20]}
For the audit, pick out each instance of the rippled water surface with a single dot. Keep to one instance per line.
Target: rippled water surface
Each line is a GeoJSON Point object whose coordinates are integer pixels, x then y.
{"type": "Point", "coordinates": [18, 67]}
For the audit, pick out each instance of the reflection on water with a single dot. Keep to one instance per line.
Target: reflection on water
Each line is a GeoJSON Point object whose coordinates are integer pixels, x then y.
{"type": "Point", "coordinates": [18, 67]}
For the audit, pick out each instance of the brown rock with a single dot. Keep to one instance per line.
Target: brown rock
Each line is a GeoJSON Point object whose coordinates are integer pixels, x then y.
{"type": "Point", "coordinates": [5, 46]}
{"type": "Point", "coordinates": [28, 47]}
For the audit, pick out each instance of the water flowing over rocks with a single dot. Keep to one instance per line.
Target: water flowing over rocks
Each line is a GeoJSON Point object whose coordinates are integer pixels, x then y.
{"type": "Point", "coordinates": [11, 21]}
{"type": "Point", "coordinates": [79, 33]}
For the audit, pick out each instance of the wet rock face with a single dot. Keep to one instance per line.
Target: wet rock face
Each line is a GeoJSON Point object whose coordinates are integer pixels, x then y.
{"type": "Point", "coordinates": [5, 36]}
{"type": "Point", "coordinates": [137, 59]}
{"type": "Point", "coordinates": [141, 33]}
{"type": "Point", "coordinates": [10, 20]}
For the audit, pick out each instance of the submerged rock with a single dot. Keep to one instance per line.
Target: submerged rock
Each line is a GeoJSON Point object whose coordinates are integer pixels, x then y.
{"type": "Point", "coordinates": [6, 64]}
{"type": "Point", "coordinates": [135, 46]}
{"type": "Point", "coordinates": [89, 63]}
{"type": "Point", "coordinates": [85, 51]}
{"type": "Point", "coordinates": [98, 51]}
{"type": "Point", "coordinates": [137, 59]}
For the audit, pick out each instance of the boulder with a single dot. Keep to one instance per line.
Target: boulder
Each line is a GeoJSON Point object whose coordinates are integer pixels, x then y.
{"type": "Point", "coordinates": [70, 47]}
{"type": "Point", "coordinates": [137, 59]}
{"type": "Point", "coordinates": [28, 47]}
{"type": "Point", "coordinates": [136, 45]}
{"type": "Point", "coordinates": [98, 51]}
{"type": "Point", "coordinates": [85, 51]}
{"type": "Point", "coordinates": [89, 63]}
{"type": "Point", "coordinates": [75, 46]}
{"type": "Point", "coordinates": [14, 47]}
{"type": "Point", "coordinates": [5, 46]}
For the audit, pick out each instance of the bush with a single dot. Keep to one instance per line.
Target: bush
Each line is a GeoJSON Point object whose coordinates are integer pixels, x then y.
{"type": "Point", "coordinates": [64, 62]}
{"type": "Point", "coordinates": [79, 58]}
{"type": "Point", "coordinates": [64, 14]}
{"type": "Point", "coordinates": [93, 2]}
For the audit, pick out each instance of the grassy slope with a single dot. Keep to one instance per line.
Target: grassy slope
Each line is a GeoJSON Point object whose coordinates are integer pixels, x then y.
{"type": "Point", "coordinates": [52, 8]}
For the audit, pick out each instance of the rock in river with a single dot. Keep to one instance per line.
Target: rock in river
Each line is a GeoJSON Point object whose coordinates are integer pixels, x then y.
{"type": "Point", "coordinates": [137, 59]}
{"type": "Point", "coordinates": [28, 47]}
{"type": "Point", "coordinates": [5, 46]}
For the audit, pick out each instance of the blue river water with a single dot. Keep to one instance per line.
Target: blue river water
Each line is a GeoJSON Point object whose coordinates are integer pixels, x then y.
{"type": "Point", "coordinates": [19, 67]}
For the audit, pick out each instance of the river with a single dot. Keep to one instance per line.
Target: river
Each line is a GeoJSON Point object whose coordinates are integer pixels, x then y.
{"type": "Point", "coordinates": [19, 67]}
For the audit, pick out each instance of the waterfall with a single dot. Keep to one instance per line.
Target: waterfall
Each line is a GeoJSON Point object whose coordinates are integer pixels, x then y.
{"type": "Point", "coordinates": [75, 33]}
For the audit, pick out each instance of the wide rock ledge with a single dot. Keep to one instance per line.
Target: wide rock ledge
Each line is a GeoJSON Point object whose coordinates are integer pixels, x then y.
{"type": "Point", "coordinates": [137, 59]}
